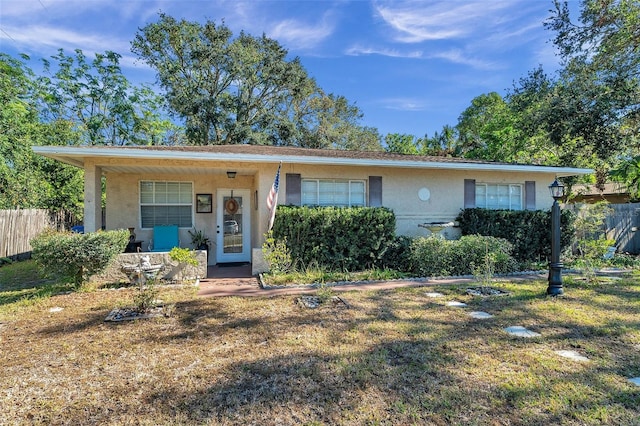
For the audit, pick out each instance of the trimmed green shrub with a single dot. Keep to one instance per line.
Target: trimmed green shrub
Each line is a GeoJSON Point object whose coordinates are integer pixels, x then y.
{"type": "Point", "coordinates": [528, 230]}
{"type": "Point", "coordinates": [398, 254]}
{"type": "Point", "coordinates": [431, 256]}
{"type": "Point", "coordinates": [349, 239]}
{"type": "Point", "coordinates": [78, 256]}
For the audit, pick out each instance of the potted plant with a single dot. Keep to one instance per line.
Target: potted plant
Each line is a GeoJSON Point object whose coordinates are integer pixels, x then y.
{"type": "Point", "coordinates": [199, 240]}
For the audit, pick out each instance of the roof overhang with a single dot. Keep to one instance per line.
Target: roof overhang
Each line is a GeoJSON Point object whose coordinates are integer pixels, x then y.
{"type": "Point", "coordinates": [76, 156]}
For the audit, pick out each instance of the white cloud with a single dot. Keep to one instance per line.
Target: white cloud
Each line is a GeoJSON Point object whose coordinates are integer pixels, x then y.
{"type": "Point", "coordinates": [46, 41]}
{"type": "Point", "coordinates": [394, 53]}
{"type": "Point", "coordinates": [416, 22]}
{"type": "Point", "coordinates": [296, 34]}
{"type": "Point", "coordinates": [403, 104]}
{"type": "Point", "coordinates": [458, 57]}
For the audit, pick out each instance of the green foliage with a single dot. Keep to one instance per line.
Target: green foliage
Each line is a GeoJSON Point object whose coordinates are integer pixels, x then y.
{"type": "Point", "coordinates": [433, 256]}
{"type": "Point", "coordinates": [484, 271]}
{"type": "Point", "coordinates": [102, 105]}
{"type": "Point", "coordinates": [349, 239]}
{"type": "Point", "coordinates": [528, 230]}
{"type": "Point", "coordinates": [145, 297]}
{"type": "Point", "coordinates": [398, 254]}
{"type": "Point", "coordinates": [628, 173]}
{"type": "Point", "coordinates": [276, 254]}
{"type": "Point", "coordinates": [488, 130]}
{"type": "Point", "coordinates": [592, 243]}
{"type": "Point", "coordinates": [78, 256]}
{"type": "Point", "coordinates": [244, 89]}
{"type": "Point", "coordinates": [183, 255]}
{"type": "Point", "coordinates": [198, 238]}
{"type": "Point", "coordinates": [28, 180]}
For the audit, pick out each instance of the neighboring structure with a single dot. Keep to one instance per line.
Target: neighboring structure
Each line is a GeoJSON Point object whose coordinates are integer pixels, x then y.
{"type": "Point", "coordinates": [614, 193]}
{"type": "Point", "coordinates": [222, 190]}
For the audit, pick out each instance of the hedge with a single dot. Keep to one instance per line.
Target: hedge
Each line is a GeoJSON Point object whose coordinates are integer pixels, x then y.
{"type": "Point", "coordinates": [349, 239]}
{"type": "Point", "coordinates": [431, 256]}
{"type": "Point", "coordinates": [78, 256]}
{"type": "Point", "coordinates": [528, 230]}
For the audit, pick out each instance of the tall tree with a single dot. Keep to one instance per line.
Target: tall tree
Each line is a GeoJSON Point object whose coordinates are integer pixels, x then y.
{"type": "Point", "coordinates": [402, 144]}
{"type": "Point", "coordinates": [488, 130]}
{"type": "Point", "coordinates": [101, 103]}
{"type": "Point", "coordinates": [242, 90]}
{"type": "Point", "coordinates": [28, 180]}
{"type": "Point", "coordinates": [596, 104]}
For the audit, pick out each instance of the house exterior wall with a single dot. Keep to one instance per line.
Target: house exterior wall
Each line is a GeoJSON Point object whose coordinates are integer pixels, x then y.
{"type": "Point", "coordinates": [400, 192]}
{"type": "Point", "coordinates": [400, 188]}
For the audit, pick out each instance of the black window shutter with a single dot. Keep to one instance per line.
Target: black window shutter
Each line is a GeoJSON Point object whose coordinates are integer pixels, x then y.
{"type": "Point", "coordinates": [530, 195]}
{"type": "Point", "coordinates": [375, 191]}
{"type": "Point", "coordinates": [294, 189]}
{"type": "Point", "coordinates": [469, 193]}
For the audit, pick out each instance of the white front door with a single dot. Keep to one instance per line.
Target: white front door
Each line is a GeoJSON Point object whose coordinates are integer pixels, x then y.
{"type": "Point", "coordinates": [233, 226]}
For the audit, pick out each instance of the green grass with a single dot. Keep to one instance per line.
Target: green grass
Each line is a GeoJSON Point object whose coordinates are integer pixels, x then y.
{"type": "Point", "coordinates": [22, 284]}
{"type": "Point", "coordinates": [390, 358]}
{"type": "Point", "coordinates": [320, 276]}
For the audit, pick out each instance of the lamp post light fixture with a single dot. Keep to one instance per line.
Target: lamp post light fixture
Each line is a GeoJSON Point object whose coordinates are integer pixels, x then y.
{"type": "Point", "coordinates": [555, 266]}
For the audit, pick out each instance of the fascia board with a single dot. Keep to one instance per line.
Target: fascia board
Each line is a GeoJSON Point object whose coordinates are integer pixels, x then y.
{"type": "Point", "coordinates": [76, 155]}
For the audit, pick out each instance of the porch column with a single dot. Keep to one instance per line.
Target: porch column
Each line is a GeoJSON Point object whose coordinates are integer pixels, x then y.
{"type": "Point", "coordinates": [92, 197]}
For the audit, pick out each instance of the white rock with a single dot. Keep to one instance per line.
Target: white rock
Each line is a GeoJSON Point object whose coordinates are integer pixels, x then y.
{"type": "Point", "coordinates": [520, 331]}
{"type": "Point", "coordinates": [480, 315]}
{"type": "Point", "coordinates": [573, 355]}
{"type": "Point", "coordinates": [456, 304]}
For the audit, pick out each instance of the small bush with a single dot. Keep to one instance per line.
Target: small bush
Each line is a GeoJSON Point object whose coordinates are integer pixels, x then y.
{"type": "Point", "coordinates": [433, 256]}
{"type": "Point", "coordinates": [185, 257]}
{"type": "Point", "coordinates": [78, 256]}
{"type": "Point", "coordinates": [276, 254]}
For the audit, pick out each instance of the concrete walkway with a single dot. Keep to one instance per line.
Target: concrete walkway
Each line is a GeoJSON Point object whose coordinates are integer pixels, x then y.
{"type": "Point", "coordinates": [237, 281]}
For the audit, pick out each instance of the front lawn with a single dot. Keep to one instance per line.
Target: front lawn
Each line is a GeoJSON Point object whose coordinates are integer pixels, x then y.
{"type": "Point", "coordinates": [386, 357]}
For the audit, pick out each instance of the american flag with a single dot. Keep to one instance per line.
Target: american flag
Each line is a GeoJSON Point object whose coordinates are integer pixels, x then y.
{"type": "Point", "coordinates": [272, 199]}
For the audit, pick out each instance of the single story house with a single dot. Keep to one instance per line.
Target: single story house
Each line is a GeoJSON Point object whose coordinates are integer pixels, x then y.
{"type": "Point", "coordinates": [222, 190]}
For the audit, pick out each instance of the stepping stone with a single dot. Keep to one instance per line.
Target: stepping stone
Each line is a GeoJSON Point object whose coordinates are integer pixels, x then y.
{"type": "Point", "coordinates": [520, 331]}
{"type": "Point", "coordinates": [573, 355]}
{"type": "Point", "coordinates": [56, 309]}
{"type": "Point", "coordinates": [635, 381]}
{"type": "Point", "coordinates": [433, 294]}
{"type": "Point", "coordinates": [480, 315]}
{"type": "Point", "coordinates": [456, 304]}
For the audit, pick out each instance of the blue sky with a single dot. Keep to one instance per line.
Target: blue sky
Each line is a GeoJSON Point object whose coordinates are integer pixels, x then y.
{"type": "Point", "coordinates": [411, 67]}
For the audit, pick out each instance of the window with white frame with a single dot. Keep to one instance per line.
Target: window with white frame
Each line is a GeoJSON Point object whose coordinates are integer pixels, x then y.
{"type": "Point", "coordinates": [166, 203]}
{"type": "Point", "coordinates": [333, 192]}
{"type": "Point", "coordinates": [499, 196]}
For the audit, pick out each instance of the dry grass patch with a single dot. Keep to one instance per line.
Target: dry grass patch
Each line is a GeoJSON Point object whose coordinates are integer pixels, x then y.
{"type": "Point", "coordinates": [390, 357]}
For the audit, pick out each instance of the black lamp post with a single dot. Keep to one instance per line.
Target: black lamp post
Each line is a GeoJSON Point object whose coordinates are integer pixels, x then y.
{"type": "Point", "coordinates": [555, 266]}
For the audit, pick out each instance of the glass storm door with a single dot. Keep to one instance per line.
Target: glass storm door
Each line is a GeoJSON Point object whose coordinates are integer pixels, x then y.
{"type": "Point", "coordinates": [233, 226]}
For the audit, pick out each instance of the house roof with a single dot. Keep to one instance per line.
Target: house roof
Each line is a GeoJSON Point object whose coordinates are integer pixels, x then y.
{"type": "Point", "coordinates": [76, 155]}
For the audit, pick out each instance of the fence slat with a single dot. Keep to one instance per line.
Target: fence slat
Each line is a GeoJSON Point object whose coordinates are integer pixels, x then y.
{"type": "Point", "coordinates": [18, 227]}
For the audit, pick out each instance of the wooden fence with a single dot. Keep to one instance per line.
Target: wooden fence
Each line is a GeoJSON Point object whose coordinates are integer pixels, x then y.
{"type": "Point", "coordinates": [622, 225]}
{"type": "Point", "coordinates": [18, 227]}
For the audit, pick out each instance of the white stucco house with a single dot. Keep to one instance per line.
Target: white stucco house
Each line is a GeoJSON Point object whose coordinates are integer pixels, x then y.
{"type": "Point", "coordinates": [222, 190]}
